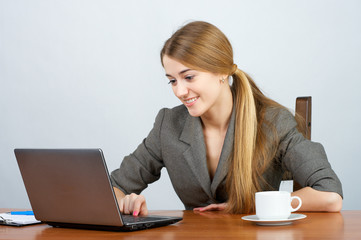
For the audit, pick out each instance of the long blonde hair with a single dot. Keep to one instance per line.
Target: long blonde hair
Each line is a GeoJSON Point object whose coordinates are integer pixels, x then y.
{"type": "Point", "coordinates": [203, 46]}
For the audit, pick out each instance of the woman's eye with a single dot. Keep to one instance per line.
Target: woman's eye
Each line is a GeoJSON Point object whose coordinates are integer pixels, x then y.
{"type": "Point", "coordinates": [172, 81]}
{"type": "Point", "coordinates": [189, 77]}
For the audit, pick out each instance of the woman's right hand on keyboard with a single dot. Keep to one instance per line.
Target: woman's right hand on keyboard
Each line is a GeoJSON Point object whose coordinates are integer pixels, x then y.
{"type": "Point", "coordinates": [131, 204]}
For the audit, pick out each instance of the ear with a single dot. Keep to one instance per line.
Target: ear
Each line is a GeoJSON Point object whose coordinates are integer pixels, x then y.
{"type": "Point", "coordinates": [223, 78]}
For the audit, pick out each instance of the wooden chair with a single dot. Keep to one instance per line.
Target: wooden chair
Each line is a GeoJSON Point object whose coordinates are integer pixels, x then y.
{"type": "Point", "coordinates": [303, 114]}
{"type": "Point", "coordinates": [303, 110]}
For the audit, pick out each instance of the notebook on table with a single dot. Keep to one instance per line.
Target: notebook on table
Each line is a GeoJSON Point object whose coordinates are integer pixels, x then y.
{"type": "Point", "coordinates": [72, 188]}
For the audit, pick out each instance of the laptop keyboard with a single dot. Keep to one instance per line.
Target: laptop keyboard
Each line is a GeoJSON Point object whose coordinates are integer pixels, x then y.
{"type": "Point", "coordinates": [132, 219]}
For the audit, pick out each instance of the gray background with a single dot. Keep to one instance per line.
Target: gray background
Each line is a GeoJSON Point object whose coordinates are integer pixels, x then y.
{"type": "Point", "coordinates": [83, 74]}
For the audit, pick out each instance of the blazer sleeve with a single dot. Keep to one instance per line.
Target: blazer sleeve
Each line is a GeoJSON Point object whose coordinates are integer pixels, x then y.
{"type": "Point", "coordinates": [144, 165]}
{"type": "Point", "coordinates": [306, 160]}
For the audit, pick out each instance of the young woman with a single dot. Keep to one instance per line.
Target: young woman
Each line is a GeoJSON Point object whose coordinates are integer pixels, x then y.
{"type": "Point", "coordinates": [226, 141]}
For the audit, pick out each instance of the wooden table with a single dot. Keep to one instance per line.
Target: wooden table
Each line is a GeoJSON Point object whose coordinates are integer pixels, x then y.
{"type": "Point", "coordinates": [210, 225]}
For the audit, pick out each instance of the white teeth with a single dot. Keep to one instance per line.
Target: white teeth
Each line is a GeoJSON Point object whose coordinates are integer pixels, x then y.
{"type": "Point", "coordinates": [191, 100]}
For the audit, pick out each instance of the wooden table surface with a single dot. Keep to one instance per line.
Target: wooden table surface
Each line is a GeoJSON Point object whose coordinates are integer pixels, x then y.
{"type": "Point", "coordinates": [210, 225]}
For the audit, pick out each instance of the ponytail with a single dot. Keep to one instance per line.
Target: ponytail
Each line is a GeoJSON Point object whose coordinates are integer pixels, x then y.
{"type": "Point", "coordinates": [240, 181]}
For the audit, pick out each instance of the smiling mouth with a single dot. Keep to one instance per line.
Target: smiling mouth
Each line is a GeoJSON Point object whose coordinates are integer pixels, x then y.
{"type": "Point", "coordinates": [191, 100]}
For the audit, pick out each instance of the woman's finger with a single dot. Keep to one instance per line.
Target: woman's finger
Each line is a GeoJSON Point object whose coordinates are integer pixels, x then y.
{"type": "Point", "coordinates": [126, 205]}
{"type": "Point", "coordinates": [140, 206]}
{"type": "Point", "coordinates": [212, 207]}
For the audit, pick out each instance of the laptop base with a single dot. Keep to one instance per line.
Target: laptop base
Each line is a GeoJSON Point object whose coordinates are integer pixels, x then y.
{"type": "Point", "coordinates": [125, 228]}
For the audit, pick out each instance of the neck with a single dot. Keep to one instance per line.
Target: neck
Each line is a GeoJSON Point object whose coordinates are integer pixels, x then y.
{"type": "Point", "coordinates": [217, 118]}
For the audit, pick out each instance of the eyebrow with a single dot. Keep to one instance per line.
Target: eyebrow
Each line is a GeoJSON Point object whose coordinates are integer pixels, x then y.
{"type": "Point", "coordinates": [181, 72]}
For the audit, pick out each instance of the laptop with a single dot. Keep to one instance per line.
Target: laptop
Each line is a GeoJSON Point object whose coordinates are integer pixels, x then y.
{"type": "Point", "coordinates": [71, 188]}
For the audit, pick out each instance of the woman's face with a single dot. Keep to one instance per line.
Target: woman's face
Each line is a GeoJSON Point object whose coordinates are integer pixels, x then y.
{"type": "Point", "coordinates": [198, 91]}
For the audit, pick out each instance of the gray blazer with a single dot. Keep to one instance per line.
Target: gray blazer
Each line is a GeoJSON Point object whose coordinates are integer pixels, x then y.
{"type": "Point", "coordinates": [176, 142]}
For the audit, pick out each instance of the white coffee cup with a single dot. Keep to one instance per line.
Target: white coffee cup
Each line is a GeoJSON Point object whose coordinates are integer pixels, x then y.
{"type": "Point", "coordinates": [275, 205]}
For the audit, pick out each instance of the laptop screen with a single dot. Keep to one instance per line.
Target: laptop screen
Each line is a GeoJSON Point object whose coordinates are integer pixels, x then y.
{"type": "Point", "coordinates": [69, 185]}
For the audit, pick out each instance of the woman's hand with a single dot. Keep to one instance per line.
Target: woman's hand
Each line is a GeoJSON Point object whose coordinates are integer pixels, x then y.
{"type": "Point", "coordinates": [131, 204]}
{"type": "Point", "coordinates": [212, 207]}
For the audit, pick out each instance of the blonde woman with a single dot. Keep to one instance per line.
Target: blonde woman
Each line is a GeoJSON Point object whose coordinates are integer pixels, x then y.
{"type": "Point", "coordinates": [226, 141]}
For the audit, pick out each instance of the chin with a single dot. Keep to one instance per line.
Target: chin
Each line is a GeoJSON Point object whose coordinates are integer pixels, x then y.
{"type": "Point", "coordinates": [194, 113]}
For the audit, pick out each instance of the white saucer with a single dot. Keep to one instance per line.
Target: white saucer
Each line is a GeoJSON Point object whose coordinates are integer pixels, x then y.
{"type": "Point", "coordinates": [274, 222]}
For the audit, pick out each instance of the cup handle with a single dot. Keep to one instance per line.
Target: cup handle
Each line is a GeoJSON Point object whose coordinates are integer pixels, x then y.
{"type": "Point", "coordinates": [299, 203]}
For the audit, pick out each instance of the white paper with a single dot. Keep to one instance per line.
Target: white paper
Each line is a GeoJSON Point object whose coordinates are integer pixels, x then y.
{"type": "Point", "coordinates": [286, 185]}
{"type": "Point", "coordinates": [18, 219]}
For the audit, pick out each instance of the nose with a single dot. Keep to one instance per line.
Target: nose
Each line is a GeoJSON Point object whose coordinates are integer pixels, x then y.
{"type": "Point", "coordinates": [180, 90]}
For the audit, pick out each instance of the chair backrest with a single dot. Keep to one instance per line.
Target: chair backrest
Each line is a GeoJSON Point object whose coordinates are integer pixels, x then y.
{"type": "Point", "coordinates": [303, 109]}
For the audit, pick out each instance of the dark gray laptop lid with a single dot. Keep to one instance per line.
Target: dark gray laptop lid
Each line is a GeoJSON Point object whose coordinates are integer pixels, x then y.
{"type": "Point", "coordinates": [69, 185]}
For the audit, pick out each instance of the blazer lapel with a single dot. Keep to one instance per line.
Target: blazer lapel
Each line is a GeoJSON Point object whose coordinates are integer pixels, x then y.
{"type": "Point", "coordinates": [195, 155]}
{"type": "Point", "coordinates": [222, 168]}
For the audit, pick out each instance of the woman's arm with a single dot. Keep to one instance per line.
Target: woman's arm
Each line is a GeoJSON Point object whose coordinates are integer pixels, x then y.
{"type": "Point", "coordinates": [314, 200]}
{"type": "Point", "coordinates": [308, 163]}
{"type": "Point", "coordinates": [137, 170]}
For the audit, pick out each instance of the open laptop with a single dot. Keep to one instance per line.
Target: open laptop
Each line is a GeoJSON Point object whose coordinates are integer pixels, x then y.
{"type": "Point", "coordinates": [72, 188]}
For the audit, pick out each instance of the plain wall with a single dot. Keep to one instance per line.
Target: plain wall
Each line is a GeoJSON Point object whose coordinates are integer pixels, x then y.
{"type": "Point", "coordinates": [85, 74]}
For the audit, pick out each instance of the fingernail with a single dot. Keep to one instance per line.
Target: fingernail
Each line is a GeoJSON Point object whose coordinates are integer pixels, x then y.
{"type": "Point", "coordinates": [135, 213]}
